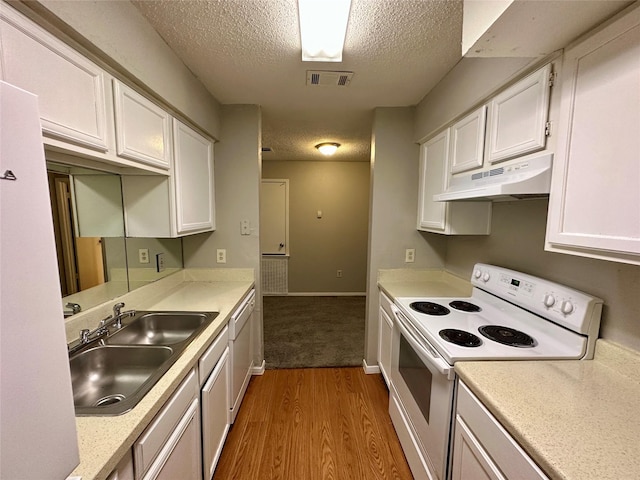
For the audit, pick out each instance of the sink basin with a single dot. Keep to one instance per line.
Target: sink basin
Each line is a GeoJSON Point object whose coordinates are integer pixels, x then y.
{"type": "Point", "coordinates": [161, 328]}
{"type": "Point", "coordinates": [111, 379]}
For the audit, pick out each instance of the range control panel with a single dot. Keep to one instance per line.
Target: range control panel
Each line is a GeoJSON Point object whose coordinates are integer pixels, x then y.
{"type": "Point", "coordinates": [562, 305]}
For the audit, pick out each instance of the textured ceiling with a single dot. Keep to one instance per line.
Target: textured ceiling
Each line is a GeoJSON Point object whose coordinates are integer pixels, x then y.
{"type": "Point", "coordinates": [248, 52]}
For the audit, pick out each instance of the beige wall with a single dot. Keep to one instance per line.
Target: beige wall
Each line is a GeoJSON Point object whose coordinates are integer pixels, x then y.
{"type": "Point", "coordinates": [319, 247]}
{"type": "Point", "coordinates": [394, 200]}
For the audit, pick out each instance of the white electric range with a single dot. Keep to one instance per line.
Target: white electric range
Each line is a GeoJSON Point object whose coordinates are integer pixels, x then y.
{"type": "Point", "coordinates": [509, 316]}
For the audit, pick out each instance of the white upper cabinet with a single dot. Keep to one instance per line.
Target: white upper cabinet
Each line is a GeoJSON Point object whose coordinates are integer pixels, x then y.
{"type": "Point", "coordinates": [193, 180]}
{"type": "Point", "coordinates": [143, 130]}
{"type": "Point", "coordinates": [450, 218]}
{"type": "Point", "coordinates": [594, 205]}
{"type": "Point", "coordinates": [467, 141]}
{"type": "Point", "coordinates": [518, 117]}
{"type": "Point", "coordinates": [182, 203]}
{"type": "Point", "coordinates": [70, 88]}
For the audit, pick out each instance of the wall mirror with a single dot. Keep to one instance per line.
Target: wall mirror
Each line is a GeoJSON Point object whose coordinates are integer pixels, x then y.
{"type": "Point", "coordinates": [88, 221]}
{"type": "Point", "coordinates": [95, 260]}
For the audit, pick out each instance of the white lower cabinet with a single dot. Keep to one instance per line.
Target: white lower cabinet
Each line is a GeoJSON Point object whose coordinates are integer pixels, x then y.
{"type": "Point", "coordinates": [170, 446]}
{"type": "Point", "coordinates": [483, 449]}
{"type": "Point", "coordinates": [214, 372]}
{"type": "Point", "coordinates": [240, 339]}
{"type": "Point", "coordinates": [385, 332]}
{"type": "Point", "coordinates": [124, 469]}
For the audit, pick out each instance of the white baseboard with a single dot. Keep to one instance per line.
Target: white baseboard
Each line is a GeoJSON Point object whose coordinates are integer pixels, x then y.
{"type": "Point", "coordinates": [370, 369]}
{"type": "Point", "coordinates": [321, 294]}
{"type": "Point", "coordinates": [258, 370]}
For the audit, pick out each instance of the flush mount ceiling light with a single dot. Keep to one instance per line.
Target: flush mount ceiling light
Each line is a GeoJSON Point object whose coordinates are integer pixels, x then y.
{"type": "Point", "coordinates": [327, 148]}
{"type": "Point", "coordinates": [323, 26]}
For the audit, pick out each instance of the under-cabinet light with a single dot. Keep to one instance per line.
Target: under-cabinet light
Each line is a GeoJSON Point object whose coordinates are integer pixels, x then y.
{"type": "Point", "coordinates": [323, 27]}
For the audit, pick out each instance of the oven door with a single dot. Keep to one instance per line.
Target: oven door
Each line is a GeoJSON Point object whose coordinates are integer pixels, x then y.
{"type": "Point", "coordinates": [423, 384]}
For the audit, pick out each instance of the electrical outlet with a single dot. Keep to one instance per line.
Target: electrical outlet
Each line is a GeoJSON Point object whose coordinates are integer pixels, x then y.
{"type": "Point", "coordinates": [143, 255]}
{"type": "Point", "coordinates": [221, 255]}
{"type": "Point", "coordinates": [409, 255]}
{"type": "Point", "coordinates": [245, 227]}
{"type": "Point", "coordinates": [339, 273]}
{"type": "Point", "coordinates": [159, 262]}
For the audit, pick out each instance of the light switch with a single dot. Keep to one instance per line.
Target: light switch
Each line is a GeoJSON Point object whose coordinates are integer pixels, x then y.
{"type": "Point", "coordinates": [319, 214]}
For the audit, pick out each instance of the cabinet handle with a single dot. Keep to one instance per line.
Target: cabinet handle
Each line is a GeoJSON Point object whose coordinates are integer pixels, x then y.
{"type": "Point", "coordinates": [8, 175]}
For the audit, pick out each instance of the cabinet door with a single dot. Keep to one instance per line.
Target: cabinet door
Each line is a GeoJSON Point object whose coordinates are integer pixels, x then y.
{"type": "Point", "coordinates": [142, 128]}
{"type": "Point", "coordinates": [595, 188]}
{"type": "Point", "coordinates": [384, 344]}
{"type": "Point", "coordinates": [467, 141]}
{"type": "Point", "coordinates": [193, 180]}
{"type": "Point", "coordinates": [70, 88]}
{"type": "Point", "coordinates": [180, 457]}
{"type": "Point", "coordinates": [449, 218]}
{"type": "Point", "coordinates": [470, 460]}
{"type": "Point", "coordinates": [215, 407]}
{"type": "Point", "coordinates": [518, 117]}
{"type": "Point", "coordinates": [433, 180]}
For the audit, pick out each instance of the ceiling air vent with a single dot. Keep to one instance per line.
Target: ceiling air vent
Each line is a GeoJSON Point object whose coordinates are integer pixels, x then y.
{"type": "Point", "coordinates": [327, 78]}
{"type": "Point", "coordinates": [267, 149]}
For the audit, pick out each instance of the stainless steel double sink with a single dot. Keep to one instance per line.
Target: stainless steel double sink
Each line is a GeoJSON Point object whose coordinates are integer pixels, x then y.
{"type": "Point", "coordinates": [113, 376]}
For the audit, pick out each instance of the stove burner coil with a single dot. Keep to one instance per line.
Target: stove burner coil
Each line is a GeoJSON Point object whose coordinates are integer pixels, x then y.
{"type": "Point", "coordinates": [430, 308]}
{"type": "Point", "coordinates": [464, 306]}
{"type": "Point", "coordinates": [507, 336]}
{"type": "Point", "coordinates": [460, 337]}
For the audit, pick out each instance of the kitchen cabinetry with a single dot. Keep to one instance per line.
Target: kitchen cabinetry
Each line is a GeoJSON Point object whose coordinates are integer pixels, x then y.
{"type": "Point", "coordinates": [240, 339]}
{"type": "Point", "coordinates": [181, 204]}
{"type": "Point", "coordinates": [467, 141]}
{"type": "Point", "coordinates": [482, 448]}
{"type": "Point", "coordinates": [124, 470]}
{"type": "Point", "coordinates": [449, 218]}
{"type": "Point", "coordinates": [170, 446]}
{"type": "Point", "coordinates": [518, 117]}
{"type": "Point", "coordinates": [595, 189]}
{"type": "Point", "coordinates": [385, 333]}
{"type": "Point", "coordinates": [214, 373]}
{"type": "Point", "coordinates": [143, 130]}
{"type": "Point", "coordinates": [70, 88]}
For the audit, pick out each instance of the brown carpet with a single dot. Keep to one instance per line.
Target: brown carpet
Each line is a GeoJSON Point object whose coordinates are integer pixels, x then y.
{"type": "Point", "coordinates": [304, 332]}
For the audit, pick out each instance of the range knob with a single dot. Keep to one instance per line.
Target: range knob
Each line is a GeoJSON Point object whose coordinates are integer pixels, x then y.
{"type": "Point", "coordinates": [477, 273]}
{"type": "Point", "coordinates": [566, 307]}
{"type": "Point", "coordinates": [486, 277]}
{"type": "Point", "coordinates": [549, 300]}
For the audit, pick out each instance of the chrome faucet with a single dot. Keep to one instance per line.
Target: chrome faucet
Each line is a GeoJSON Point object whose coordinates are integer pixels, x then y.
{"type": "Point", "coordinates": [118, 315]}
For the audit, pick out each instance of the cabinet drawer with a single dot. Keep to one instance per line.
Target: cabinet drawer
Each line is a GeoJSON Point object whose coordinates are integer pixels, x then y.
{"type": "Point", "coordinates": [503, 450]}
{"type": "Point", "coordinates": [155, 436]}
{"type": "Point", "coordinates": [212, 355]}
{"type": "Point", "coordinates": [385, 304]}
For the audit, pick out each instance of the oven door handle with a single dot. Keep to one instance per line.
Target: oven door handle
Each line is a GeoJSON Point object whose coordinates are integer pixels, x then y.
{"type": "Point", "coordinates": [410, 333]}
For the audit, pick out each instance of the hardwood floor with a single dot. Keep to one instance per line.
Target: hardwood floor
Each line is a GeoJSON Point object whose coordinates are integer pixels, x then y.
{"type": "Point", "coordinates": [308, 424]}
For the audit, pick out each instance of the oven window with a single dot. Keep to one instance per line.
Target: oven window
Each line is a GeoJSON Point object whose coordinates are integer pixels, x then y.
{"type": "Point", "coordinates": [416, 376]}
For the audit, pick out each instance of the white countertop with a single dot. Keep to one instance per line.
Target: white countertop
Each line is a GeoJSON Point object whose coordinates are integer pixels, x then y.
{"type": "Point", "coordinates": [103, 441]}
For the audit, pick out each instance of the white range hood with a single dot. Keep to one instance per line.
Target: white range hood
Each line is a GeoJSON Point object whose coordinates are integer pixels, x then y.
{"type": "Point", "coordinates": [522, 179]}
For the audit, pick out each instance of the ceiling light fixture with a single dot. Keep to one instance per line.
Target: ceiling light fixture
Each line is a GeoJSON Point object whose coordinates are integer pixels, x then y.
{"type": "Point", "coordinates": [327, 148]}
{"type": "Point", "coordinates": [323, 27]}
